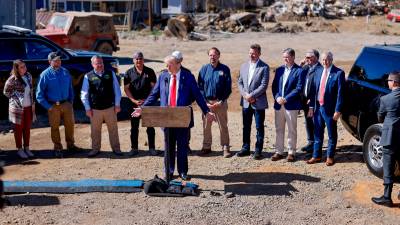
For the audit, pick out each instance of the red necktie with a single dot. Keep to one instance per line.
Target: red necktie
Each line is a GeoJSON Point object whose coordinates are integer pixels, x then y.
{"type": "Point", "coordinates": [172, 95]}
{"type": "Point", "coordinates": [322, 88]}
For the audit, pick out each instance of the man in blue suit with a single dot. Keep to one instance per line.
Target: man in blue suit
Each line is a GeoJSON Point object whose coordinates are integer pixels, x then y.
{"type": "Point", "coordinates": [176, 87]}
{"type": "Point", "coordinates": [389, 114]}
{"type": "Point", "coordinates": [286, 89]}
{"type": "Point", "coordinates": [326, 105]}
{"type": "Point", "coordinates": [253, 83]}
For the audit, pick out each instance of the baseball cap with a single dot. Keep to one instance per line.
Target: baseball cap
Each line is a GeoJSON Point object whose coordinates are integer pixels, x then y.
{"type": "Point", "coordinates": [137, 55]}
{"type": "Point", "coordinates": [53, 56]}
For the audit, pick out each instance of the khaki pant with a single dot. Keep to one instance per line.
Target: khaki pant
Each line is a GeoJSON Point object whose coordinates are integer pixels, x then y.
{"type": "Point", "coordinates": [110, 118]}
{"type": "Point", "coordinates": [221, 114]}
{"type": "Point", "coordinates": [289, 117]}
{"type": "Point", "coordinates": [65, 112]}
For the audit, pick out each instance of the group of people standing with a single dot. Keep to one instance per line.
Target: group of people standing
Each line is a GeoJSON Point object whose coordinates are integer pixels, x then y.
{"type": "Point", "coordinates": [313, 87]}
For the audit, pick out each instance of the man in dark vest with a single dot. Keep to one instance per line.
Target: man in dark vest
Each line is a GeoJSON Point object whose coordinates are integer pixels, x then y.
{"type": "Point", "coordinates": [101, 96]}
{"type": "Point", "coordinates": [389, 114]}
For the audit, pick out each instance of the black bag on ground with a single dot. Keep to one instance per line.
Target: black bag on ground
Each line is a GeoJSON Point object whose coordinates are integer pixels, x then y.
{"type": "Point", "coordinates": [158, 187]}
{"type": "Point", "coordinates": [155, 185]}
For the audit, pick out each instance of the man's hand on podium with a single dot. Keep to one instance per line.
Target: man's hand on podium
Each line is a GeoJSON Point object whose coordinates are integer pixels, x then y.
{"type": "Point", "coordinates": [137, 112]}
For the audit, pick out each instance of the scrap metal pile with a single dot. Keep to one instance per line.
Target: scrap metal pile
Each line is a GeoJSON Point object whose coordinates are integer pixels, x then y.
{"type": "Point", "coordinates": [228, 21]}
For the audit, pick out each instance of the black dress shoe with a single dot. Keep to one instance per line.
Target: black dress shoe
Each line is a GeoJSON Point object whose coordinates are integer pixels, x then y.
{"type": "Point", "coordinates": [184, 176]}
{"type": "Point", "coordinates": [243, 152]}
{"type": "Point", "coordinates": [383, 201]}
{"type": "Point", "coordinates": [257, 155]}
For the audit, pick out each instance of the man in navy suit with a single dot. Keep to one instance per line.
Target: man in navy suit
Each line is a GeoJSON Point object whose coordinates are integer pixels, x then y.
{"type": "Point", "coordinates": [311, 68]}
{"type": "Point", "coordinates": [286, 89]}
{"type": "Point", "coordinates": [389, 114]}
{"type": "Point", "coordinates": [326, 106]}
{"type": "Point", "coordinates": [176, 87]}
{"type": "Point", "coordinates": [253, 83]}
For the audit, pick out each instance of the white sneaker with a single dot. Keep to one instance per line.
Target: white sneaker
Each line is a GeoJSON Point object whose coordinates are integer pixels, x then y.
{"type": "Point", "coordinates": [21, 153]}
{"type": "Point", "coordinates": [28, 152]}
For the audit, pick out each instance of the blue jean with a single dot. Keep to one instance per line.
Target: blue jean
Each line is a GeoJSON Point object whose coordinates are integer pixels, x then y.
{"type": "Point", "coordinates": [320, 120]}
{"type": "Point", "coordinates": [179, 140]}
{"type": "Point", "coordinates": [259, 116]}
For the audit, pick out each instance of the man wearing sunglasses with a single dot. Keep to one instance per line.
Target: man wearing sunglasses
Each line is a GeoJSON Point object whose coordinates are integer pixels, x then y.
{"type": "Point", "coordinates": [138, 84]}
{"type": "Point", "coordinates": [311, 67]}
{"type": "Point", "coordinates": [389, 114]}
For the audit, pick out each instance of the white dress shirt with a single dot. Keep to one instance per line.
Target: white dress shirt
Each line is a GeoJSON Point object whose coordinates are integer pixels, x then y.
{"type": "Point", "coordinates": [306, 84]}
{"type": "Point", "coordinates": [326, 78]}
{"type": "Point", "coordinates": [284, 78]}
{"type": "Point", "coordinates": [27, 94]}
{"type": "Point", "coordinates": [252, 69]}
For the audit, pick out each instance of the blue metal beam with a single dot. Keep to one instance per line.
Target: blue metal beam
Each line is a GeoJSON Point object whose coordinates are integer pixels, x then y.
{"type": "Point", "coordinates": [80, 186]}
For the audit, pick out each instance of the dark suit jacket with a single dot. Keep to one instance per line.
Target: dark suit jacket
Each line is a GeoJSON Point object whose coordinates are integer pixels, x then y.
{"type": "Point", "coordinates": [258, 85]}
{"type": "Point", "coordinates": [389, 113]}
{"type": "Point", "coordinates": [293, 87]}
{"type": "Point", "coordinates": [187, 92]}
{"type": "Point", "coordinates": [309, 79]}
{"type": "Point", "coordinates": [334, 90]}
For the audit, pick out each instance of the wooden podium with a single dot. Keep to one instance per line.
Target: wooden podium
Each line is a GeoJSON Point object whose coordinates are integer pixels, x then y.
{"type": "Point", "coordinates": [167, 117]}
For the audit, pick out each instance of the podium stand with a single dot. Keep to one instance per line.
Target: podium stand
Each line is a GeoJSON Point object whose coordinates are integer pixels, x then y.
{"type": "Point", "coordinates": [166, 117]}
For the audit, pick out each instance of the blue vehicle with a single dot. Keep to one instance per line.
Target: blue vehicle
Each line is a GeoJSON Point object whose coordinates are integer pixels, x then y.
{"type": "Point", "coordinates": [365, 85]}
{"type": "Point", "coordinates": [21, 43]}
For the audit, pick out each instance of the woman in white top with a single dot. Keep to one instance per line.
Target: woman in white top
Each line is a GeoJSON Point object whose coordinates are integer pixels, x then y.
{"type": "Point", "coordinates": [21, 107]}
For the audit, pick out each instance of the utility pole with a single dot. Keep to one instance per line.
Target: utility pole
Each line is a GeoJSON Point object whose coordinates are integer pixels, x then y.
{"type": "Point", "coordinates": [150, 7]}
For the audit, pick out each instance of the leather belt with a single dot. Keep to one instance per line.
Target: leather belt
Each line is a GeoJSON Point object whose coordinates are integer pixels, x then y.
{"type": "Point", "coordinates": [57, 102]}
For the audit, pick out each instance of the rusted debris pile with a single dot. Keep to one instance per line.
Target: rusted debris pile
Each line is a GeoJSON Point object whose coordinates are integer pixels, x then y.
{"type": "Point", "coordinates": [328, 9]}
{"type": "Point", "coordinates": [279, 28]}
{"type": "Point", "coordinates": [277, 11]}
{"type": "Point", "coordinates": [179, 26]}
{"type": "Point", "coordinates": [234, 23]}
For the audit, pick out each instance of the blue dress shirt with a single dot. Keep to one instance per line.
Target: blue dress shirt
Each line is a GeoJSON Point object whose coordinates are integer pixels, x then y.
{"type": "Point", "coordinates": [215, 83]}
{"type": "Point", "coordinates": [53, 86]}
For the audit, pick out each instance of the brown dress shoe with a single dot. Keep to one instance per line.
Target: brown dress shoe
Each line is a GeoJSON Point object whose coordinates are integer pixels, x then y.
{"type": "Point", "coordinates": [290, 158]}
{"type": "Point", "coordinates": [277, 157]}
{"type": "Point", "coordinates": [313, 160]}
{"type": "Point", "coordinates": [329, 161]}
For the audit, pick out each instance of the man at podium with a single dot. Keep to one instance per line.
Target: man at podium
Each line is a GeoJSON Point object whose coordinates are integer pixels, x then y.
{"type": "Point", "coordinates": [176, 87]}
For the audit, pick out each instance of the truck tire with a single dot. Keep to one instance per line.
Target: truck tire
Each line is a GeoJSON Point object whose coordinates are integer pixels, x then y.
{"type": "Point", "coordinates": [372, 151]}
{"type": "Point", "coordinates": [105, 47]}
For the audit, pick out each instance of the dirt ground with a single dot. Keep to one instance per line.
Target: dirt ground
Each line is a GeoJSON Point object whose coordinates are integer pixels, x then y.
{"type": "Point", "coordinates": [265, 192]}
